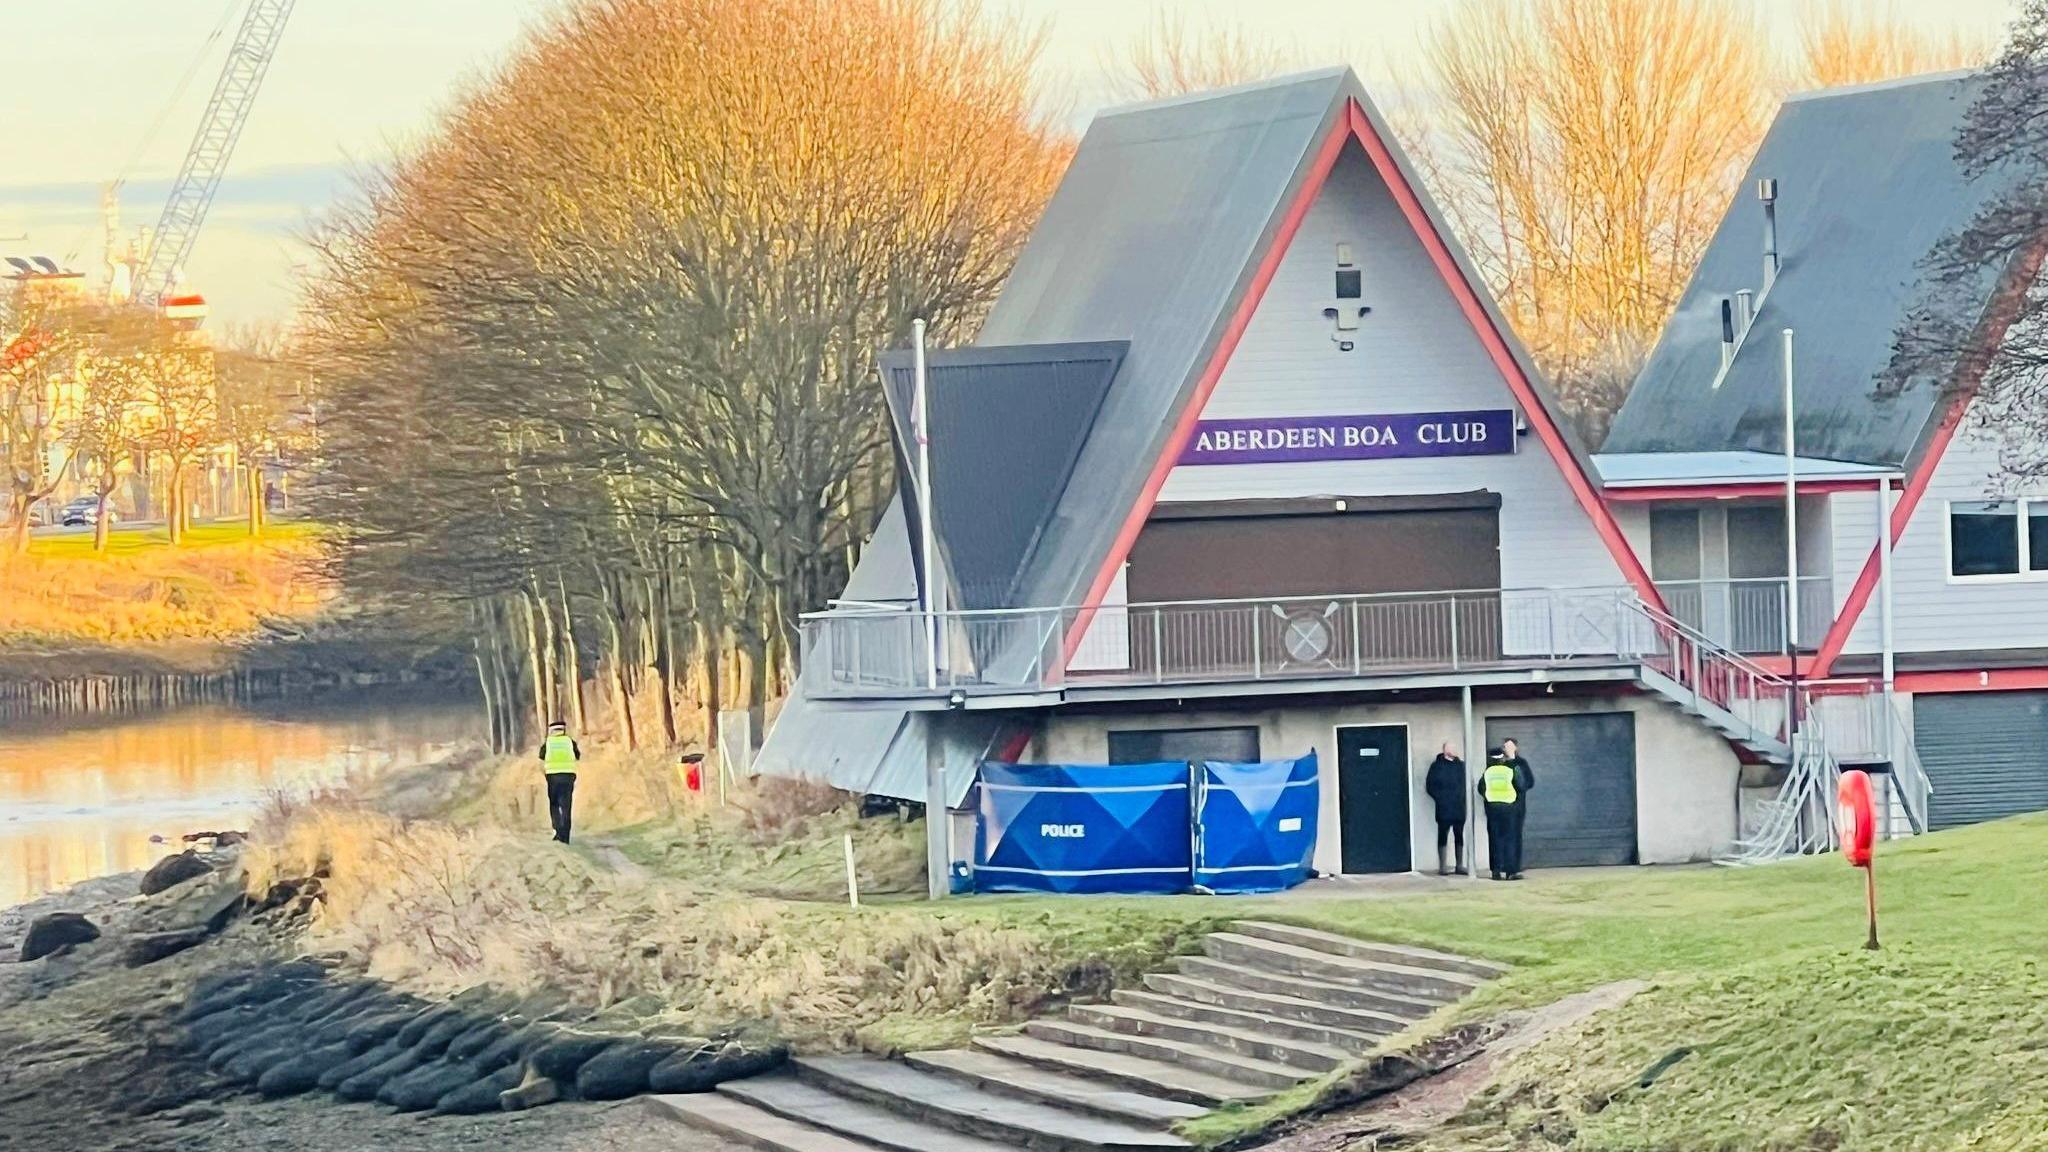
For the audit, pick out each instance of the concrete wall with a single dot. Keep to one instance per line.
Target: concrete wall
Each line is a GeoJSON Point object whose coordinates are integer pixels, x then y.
{"type": "Point", "coordinates": [1685, 775]}
{"type": "Point", "coordinates": [1416, 352]}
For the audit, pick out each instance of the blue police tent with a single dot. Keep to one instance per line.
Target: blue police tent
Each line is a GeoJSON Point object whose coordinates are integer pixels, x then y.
{"type": "Point", "coordinates": [1083, 828]}
{"type": "Point", "coordinates": [1255, 824]}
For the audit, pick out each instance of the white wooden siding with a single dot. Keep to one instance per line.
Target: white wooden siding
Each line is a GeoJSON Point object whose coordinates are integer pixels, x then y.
{"type": "Point", "coordinates": [1929, 613]}
{"type": "Point", "coordinates": [1416, 352]}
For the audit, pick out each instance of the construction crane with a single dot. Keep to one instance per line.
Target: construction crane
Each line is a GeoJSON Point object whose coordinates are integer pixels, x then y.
{"type": "Point", "coordinates": [199, 177]}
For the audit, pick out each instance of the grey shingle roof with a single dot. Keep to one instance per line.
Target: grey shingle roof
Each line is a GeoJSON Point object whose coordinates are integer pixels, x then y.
{"type": "Point", "coordinates": [1867, 185]}
{"type": "Point", "coordinates": [1007, 426]}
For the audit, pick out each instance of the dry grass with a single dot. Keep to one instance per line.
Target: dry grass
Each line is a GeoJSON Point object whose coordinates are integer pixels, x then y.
{"type": "Point", "coordinates": [218, 588]}
{"type": "Point", "coordinates": [436, 907]}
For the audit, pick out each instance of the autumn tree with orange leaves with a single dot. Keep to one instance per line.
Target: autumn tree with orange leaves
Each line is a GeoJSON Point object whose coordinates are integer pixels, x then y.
{"type": "Point", "coordinates": [598, 362]}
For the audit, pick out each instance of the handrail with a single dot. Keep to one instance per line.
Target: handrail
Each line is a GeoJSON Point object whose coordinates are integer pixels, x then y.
{"type": "Point", "coordinates": [1695, 636]}
{"type": "Point", "coordinates": [870, 609]}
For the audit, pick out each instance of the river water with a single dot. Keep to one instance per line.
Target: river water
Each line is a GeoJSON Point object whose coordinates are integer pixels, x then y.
{"type": "Point", "coordinates": [85, 798]}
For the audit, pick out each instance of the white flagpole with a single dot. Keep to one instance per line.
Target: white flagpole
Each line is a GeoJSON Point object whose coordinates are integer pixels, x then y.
{"type": "Point", "coordinates": [1791, 555]}
{"type": "Point", "coordinates": [926, 587]}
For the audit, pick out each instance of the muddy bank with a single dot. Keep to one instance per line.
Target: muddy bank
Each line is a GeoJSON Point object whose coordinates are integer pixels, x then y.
{"type": "Point", "coordinates": [98, 1048]}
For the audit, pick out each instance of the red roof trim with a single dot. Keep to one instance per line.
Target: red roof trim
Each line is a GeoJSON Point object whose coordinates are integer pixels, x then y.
{"type": "Point", "coordinates": [2018, 277]}
{"type": "Point", "coordinates": [1355, 124]}
{"type": "Point", "coordinates": [1269, 265]}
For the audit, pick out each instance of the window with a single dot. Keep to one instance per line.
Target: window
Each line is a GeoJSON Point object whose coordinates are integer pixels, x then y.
{"type": "Point", "coordinates": [1988, 539]}
{"type": "Point", "coordinates": [1145, 746]}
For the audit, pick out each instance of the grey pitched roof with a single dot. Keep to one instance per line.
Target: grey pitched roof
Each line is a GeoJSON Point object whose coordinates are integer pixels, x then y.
{"type": "Point", "coordinates": [1867, 185]}
{"type": "Point", "coordinates": [1007, 426]}
{"type": "Point", "coordinates": [885, 572]}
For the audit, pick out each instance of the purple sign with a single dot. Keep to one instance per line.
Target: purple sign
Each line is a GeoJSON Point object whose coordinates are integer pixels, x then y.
{"type": "Point", "coordinates": [1286, 439]}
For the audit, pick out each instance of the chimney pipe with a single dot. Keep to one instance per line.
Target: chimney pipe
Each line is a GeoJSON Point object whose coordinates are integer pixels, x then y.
{"type": "Point", "coordinates": [1767, 191]}
{"type": "Point", "coordinates": [1745, 311]}
{"type": "Point", "coordinates": [1727, 333]}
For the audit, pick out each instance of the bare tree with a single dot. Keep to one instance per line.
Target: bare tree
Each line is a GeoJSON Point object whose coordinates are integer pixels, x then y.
{"type": "Point", "coordinates": [1860, 42]}
{"type": "Point", "coordinates": [1979, 328]}
{"type": "Point", "coordinates": [177, 420]}
{"type": "Point", "coordinates": [260, 397]}
{"type": "Point", "coordinates": [1174, 57]}
{"type": "Point", "coordinates": [1584, 149]}
{"type": "Point", "coordinates": [40, 345]}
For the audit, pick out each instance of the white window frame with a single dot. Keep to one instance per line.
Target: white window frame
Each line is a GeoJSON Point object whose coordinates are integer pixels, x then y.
{"type": "Point", "coordinates": [2026, 574]}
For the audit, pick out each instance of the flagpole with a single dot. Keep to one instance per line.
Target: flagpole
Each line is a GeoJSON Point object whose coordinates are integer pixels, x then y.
{"type": "Point", "coordinates": [1791, 560]}
{"type": "Point", "coordinates": [922, 417]}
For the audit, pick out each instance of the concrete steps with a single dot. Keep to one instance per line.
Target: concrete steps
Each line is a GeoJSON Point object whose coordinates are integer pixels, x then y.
{"type": "Point", "coordinates": [1232, 975]}
{"type": "Point", "coordinates": [1370, 950]}
{"type": "Point", "coordinates": [1131, 1020]}
{"type": "Point", "coordinates": [990, 1072]}
{"type": "Point", "coordinates": [1136, 1073]}
{"type": "Point", "coordinates": [1349, 1042]}
{"type": "Point", "coordinates": [1265, 1007]}
{"type": "Point", "coordinates": [1431, 984]}
{"type": "Point", "coordinates": [937, 1099]}
{"type": "Point", "coordinates": [1316, 1013]}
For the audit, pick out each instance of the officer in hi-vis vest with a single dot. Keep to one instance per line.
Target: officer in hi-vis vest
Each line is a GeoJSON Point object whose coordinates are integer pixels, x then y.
{"type": "Point", "coordinates": [1497, 787]}
{"type": "Point", "coordinates": [558, 757]}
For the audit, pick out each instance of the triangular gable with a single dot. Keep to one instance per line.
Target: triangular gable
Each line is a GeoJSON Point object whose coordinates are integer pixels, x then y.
{"type": "Point", "coordinates": [1356, 122]}
{"type": "Point", "coordinates": [1007, 426]}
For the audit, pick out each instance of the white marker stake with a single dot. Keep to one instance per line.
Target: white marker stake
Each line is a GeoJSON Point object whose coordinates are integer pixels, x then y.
{"type": "Point", "coordinates": [852, 884]}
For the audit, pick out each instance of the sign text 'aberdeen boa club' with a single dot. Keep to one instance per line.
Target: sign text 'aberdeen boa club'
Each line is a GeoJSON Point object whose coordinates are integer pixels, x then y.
{"type": "Point", "coordinates": [1285, 439]}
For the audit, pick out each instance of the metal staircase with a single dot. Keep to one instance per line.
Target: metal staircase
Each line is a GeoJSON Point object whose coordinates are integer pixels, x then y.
{"type": "Point", "coordinates": [1788, 726]}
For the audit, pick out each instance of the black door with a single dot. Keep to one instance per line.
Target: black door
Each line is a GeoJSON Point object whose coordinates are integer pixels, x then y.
{"type": "Point", "coordinates": [1583, 809]}
{"type": "Point", "coordinates": [1372, 798]}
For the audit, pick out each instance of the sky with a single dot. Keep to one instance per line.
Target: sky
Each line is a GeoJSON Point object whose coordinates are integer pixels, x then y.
{"type": "Point", "coordinates": [356, 81]}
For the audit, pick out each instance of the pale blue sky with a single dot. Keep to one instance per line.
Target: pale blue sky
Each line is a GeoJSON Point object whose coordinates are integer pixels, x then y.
{"type": "Point", "coordinates": [356, 78]}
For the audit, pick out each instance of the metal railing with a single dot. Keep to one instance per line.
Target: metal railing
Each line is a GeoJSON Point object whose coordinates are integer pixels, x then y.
{"type": "Point", "coordinates": [881, 653]}
{"type": "Point", "coordinates": [1749, 615]}
{"type": "Point", "coordinates": [1754, 699]}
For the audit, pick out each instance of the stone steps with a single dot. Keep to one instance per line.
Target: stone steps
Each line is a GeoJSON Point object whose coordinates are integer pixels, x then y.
{"type": "Point", "coordinates": [1317, 1013]}
{"type": "Point", "coordinates": [1407, 1008]}
{"type": "Point", "coordinates": [1001, 1074]}
{"type": "Point", "coordinates": [1349, 1042]}
{"type": "Point", "coordinates": [782, 1094]}
{"type": "Point", "coordinates": [1431, 984]}
{"type": "Point", "coordinates": [1264, 1008]}
{"type": "Point", "coordinates": [1370, 950]}
{"type": "Point", "coordinates": [1151, 1077]}
{"type": "Point", "coordinates": [1269, 1074]}
{"type": "Point", "coordinates": [938, 1099]}
{"type": "Point", "coordinates": [1140, 1021]}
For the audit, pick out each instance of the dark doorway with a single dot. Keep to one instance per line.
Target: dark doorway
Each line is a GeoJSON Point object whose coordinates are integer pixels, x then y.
{"type": "Point", "coordinates": [1372, 798]}
{"type": "Point", "coordinates": [1150, 745]}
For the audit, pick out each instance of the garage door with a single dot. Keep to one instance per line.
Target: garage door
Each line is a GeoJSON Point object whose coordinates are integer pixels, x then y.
{"type": "Point", "coordinates": [1583, 810]}
{"type": "Point", "coordinates": [1982, 753]}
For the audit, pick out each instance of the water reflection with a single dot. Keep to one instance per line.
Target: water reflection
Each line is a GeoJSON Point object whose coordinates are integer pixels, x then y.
{"type": "Point", "coordinates": [84, 799]}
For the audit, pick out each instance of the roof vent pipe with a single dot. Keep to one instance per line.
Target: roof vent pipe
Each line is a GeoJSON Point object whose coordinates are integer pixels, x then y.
{"type": "Point", "coordinates": [1727, 333]}
{"type": "Point", "coordinates": [1745, 311]}
{"type": "Point", "coordinates": [1767, 191]}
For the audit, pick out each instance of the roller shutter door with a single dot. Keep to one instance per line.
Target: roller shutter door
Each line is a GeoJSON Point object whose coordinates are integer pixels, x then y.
{"type": "Point", "coordinates": [1583, 811]}
{"type": "Point", "coordinates": [1982, 752]}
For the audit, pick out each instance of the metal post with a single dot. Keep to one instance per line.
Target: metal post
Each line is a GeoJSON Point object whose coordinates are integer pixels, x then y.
{"type": "Point", "coordinates": [921, 414]}
{"type": "Point", "coordinates": [1357, 641]}
{"type": "Point", "coordinates": [1791, 559]}
{"type": "Point", "coordinates": [1884, 580]}
{"type": "Point", "coordinates": [1454, 633]}
{"type": "Point", "coordinates": [1256, 614]}
{"type": "Point", "coordinates": [938, 846]}
{"type": "Point", "coordinates": [1471, 809]}
{"type": "Point", "coordinates": [1158, 647]}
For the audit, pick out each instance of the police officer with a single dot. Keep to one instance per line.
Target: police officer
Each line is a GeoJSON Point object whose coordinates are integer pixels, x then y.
{"type": "Point", "coordinates": [558, 757]}
{"type": "Point", "coordinates": [1503, 834]}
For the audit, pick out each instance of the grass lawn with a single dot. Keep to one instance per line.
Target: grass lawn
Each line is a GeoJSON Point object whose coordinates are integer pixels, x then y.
{"type": "Point", "coordinates": [129, 541]}
{"type": "Point", "coordinates": [1790, 1035]}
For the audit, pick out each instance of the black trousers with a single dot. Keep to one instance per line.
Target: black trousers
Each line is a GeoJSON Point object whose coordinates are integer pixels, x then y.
{"type": "Point", "coordinates": [561, 798]}
{"type": "Point", "coordinates": [1503, 839]}
{"type": "Point", "coordinates": [1444, 834]}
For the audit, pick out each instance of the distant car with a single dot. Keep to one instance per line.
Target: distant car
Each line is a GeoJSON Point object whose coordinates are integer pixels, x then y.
{"type": "Point", "coordinates": [85, 511]}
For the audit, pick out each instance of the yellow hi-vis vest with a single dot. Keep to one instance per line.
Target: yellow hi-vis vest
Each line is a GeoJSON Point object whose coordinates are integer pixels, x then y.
{"type": "Point", "coordinates": [1500, 784]}
{"type": "Point", "coordinates": [558, 754]}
